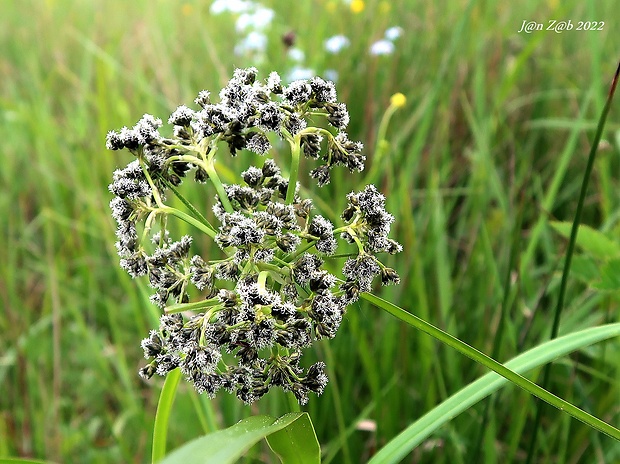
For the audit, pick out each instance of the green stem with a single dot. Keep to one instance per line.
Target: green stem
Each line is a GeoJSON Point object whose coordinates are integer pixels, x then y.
{"type": "Point", "coordinates": [162, 416]}
{"type": "Point", "coordinates": [262, 280]}
{"type": "Point", "coordinates": [486, 361]}
{"type": "Point", "coordinates": [570, 250]}
{"type": "Point", "coordinates": [175, 212]}
{"type": "Point", "coordinates": [151, 183]}
{"type": "Point", "coordinates": [189, 219]}
{"type": "Point", "coordinates": [194, 306]}
{"type": "Point", "coordinates": [191, 207]}
{"type": "Point", "coordinates": [207, 162]}
{"type": "Point", "coordinates": [301, 251]}
{"type": "Point", "coordinates": [380, 146]}
{"type": "Point", "coordinates": [295, 158]}
{"type": "Point", "coordinates": [219, 188]}
{"type": "Point", "coordinates": [148, 223]}
{"type": "Point", "coordinates": [293, 404]}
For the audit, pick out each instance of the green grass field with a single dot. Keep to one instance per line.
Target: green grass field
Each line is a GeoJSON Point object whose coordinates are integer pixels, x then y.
{"type": "Point", "coordinates": [488, 152]}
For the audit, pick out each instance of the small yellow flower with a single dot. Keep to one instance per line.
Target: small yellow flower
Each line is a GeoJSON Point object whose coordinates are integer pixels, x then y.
{"type": "Point", "coordinates": [187, 9]}
{"type": "Point", "coordinates": [357, 6]}
{"type": "Point", "coordinates": [385, 7]}
{"type": "Point", "coordinates": [398, 100]}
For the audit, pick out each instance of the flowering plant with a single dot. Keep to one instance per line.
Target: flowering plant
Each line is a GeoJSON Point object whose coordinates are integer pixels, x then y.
{"type": "Point", "coordinates": [240, 320]}
{"type": "Point", "coordinates": [267, 295]}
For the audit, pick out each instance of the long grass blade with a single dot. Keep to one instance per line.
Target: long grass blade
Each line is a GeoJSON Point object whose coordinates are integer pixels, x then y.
{"type": "Point", "coordinates": [468, 396]}
{"type": "Point", "coordinates": [162, 416]}
{"type": "Point", "coordinates": [569, 253]}
{"type": "Point", "coordinates": [486, 361]}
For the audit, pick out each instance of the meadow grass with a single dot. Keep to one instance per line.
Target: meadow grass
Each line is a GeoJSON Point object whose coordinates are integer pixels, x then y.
{"type": "Point", "coordinates": [489, 149]}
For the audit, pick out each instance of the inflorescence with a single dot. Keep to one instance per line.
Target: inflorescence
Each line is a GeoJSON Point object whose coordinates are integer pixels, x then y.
{"type": "Point", "coordinates": [267, 296]}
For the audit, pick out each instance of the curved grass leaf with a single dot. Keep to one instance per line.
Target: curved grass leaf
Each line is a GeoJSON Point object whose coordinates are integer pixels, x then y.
{"type": "Point", "coordinates": [570, 250]}
{"type": "Point", "coordinates": [228, 445]}
{"type": "Point", "coordinates": [492, 364]}
{"type": "Point", "coordinates": [166, 398]}
{"type": "Point", "coordinates": [395, 450]}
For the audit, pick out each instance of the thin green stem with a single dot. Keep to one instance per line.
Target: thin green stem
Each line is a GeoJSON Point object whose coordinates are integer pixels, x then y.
{"type": "Point", "coordinates": [570, 250]}
{"type": "Point", "coordinates": [301, 251]}
{"type": "Point", "coordinates": [195, 306]}
{"type": "Point", "coordinates": [316, 130]}
{"type": "Point", "coordinates": [151, 183]}
{"type": "Point", "coordinates": [191, 207]}
{"type": "Point", "coordinates": [219, 188]}
{"type": "Point", "coordinates": [293, 404]}
{"type": "Point", "coordinates": [207, 162]}
{"type": "Point", "coordinates": [148, 223]}
{"type": "Point", "coordinates": [207, 229]}
{"type": "Point", "coordinates": [189, 219]}
{"type": "Point", "coordinates": [295, 158]}
{"type": "Point", "coordinates": [381, 144]}
{"type": "Point", "coordinates": [495, 366]}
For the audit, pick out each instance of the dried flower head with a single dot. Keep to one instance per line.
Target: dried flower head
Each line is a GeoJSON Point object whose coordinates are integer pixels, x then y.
{"type": "Point", "coordinates": [240, 319]}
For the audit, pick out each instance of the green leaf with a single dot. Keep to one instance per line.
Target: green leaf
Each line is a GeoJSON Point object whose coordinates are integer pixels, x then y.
{"type": "Point", "coordinates": [228, 445]}
{"type": "Point", "coordinates": [297, 443]}
{"type": "Point", "coordinates": [610, 276]}
{"type": "Point", "coordinates": [166, 398]}
{"type": "Point", "coordinates": [585, 269]}
{"type": "Point", "coordinates": [395, 450]}
{"type": "Point", "coordinates": [481, 358]}
{"type": "Point", "coordinates": [591, 241]}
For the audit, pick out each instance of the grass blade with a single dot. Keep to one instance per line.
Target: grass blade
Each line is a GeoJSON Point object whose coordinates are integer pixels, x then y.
{"type": "Point", "coordinates": [570, 250]}
{"type": "Point", "coordinates": [160, 430]}
{"type": "Point", "coordinates": [465, 398]}
{"type": "Point", "coordinates": [486, 361]}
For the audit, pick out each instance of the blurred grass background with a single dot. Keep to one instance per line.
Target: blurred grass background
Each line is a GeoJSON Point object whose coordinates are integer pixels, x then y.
{"type": "Point", "coordinates": [490, 147]}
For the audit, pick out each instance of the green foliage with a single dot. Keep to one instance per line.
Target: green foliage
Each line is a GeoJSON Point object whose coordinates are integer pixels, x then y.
{"type": "Point", "coordinates": [591, 241]}
{"type": "Point", "coordinates": [162, 417]}
{"type": "Point", "coordinates": [465, 398]}
{"type": "Point", "coordinates": [610, 276]}
{"type": "Point", "coordinates": [598, 265]}
{"type": "Point", "coordinates": [496, 123]}
{"type": "Point", "coordinates": [296, 443]}
{"type": "Point", "coordinates": [291, 437]}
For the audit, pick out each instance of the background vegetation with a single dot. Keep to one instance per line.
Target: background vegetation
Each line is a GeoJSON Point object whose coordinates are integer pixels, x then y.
{"type": "Point", "coordinates": [489, 149]}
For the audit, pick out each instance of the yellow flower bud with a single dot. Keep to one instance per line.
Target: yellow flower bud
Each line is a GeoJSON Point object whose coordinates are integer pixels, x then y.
{"type": "Point", "coordinates": [398, 100]}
